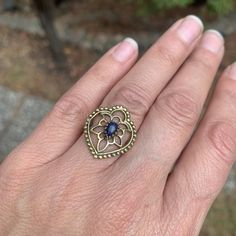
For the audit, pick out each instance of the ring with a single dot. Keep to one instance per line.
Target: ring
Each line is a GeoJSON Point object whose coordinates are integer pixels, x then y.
{"type": "Point", "coordinates": [109, 132]}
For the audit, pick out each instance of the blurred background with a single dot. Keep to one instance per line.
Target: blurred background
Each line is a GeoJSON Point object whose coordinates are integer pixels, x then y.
{"type": "Point", "coordinates": [46, 45]}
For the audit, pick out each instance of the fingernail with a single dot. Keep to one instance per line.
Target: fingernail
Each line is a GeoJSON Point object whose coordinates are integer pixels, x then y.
{"type": "Point", "coordinates": [212, 40]}
{"type": "Point", "coordinates": [125, 50]}
{"type": "Point", "coordinates": [190, 28]}
{"type": "Point", "coordinates": [231, 71]}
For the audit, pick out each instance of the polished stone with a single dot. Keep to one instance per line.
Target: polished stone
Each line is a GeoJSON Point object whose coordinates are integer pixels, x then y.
{"type": "Point", "coordinates": [111, 128]}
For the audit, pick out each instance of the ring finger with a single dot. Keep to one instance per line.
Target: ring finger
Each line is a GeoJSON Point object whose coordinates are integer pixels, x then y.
{"type": "Point", "coordinates": [139, 88]}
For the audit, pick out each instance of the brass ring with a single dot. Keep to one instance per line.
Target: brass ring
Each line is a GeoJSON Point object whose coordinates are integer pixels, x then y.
{"type": "Point", "coordinates": [109, 132]}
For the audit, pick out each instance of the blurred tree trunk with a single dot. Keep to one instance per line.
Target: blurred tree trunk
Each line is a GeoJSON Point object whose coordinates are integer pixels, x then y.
{"type": "Point", "coordinates": [45, 10]}
{"type": "Point", "coordinates": [9, 5]}
{"type": "Point", "coordinates": [199, 2]}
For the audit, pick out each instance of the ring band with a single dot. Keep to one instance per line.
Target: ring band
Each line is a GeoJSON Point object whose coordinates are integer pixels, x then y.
{"type": "Point", "coordinates": [109, 132]}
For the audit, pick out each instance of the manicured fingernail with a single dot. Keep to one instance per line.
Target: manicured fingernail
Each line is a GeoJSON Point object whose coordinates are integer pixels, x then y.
{"type": "Point", "coordinates": [190, 28]}
{"type": "Point", "coordinates": [212, 40]}
{"type": "Point", "coordinates": [125, 50]}
{"type": "Point", "coordinates": [231, 71]}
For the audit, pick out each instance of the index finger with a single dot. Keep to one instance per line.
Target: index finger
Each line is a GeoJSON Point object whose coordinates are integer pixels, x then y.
{"type": "Point", "coordinates": [64, 124]}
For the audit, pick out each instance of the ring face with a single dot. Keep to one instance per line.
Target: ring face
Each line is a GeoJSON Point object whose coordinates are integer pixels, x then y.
{"type": "Point", "coordinates": [109, 132]}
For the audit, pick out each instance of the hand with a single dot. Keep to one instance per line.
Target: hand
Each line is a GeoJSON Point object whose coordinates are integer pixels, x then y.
{"type": "Point", "coordinates": [51, 185]}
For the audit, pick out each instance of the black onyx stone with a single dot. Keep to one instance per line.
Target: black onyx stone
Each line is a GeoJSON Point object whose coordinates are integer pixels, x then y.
{"type": "Point", "coordinates": [111, 128]}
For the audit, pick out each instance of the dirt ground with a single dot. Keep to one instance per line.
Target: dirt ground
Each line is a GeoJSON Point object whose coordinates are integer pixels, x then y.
{"type": "Point", "coordinates": [26, 63]}
{"type": "Point", "coordinates": [25, 60]}
{"type": "Point", "coordinates": [124, 17]}
{"type": "Point", "coordinates": [121, 16]}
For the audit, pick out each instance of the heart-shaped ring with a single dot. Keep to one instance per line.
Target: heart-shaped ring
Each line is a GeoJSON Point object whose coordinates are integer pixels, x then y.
{"type": "Point", "coordinates": [109, 132]}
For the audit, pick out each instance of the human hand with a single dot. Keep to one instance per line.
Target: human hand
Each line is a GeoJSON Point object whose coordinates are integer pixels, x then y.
{"type": "Point", "coordinates": [51, 185]}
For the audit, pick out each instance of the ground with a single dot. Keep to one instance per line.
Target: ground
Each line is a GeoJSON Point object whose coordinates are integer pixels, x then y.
{"type": "Point", "coordinates": [26, 64]}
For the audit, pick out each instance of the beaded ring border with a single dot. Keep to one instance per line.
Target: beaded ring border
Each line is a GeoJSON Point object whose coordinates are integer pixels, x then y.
{"type": "Point", "coordinates": [111, 131]}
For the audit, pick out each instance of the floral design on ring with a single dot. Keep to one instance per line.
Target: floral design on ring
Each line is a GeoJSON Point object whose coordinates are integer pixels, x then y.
{"type": "Point", "coordinates": [109, 132]}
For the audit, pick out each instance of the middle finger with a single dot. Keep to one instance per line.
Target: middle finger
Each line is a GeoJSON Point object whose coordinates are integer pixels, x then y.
{"type": "Point", "coordinates": [139, 88]}
{"type": "Point", "coordinates": [174, 115]}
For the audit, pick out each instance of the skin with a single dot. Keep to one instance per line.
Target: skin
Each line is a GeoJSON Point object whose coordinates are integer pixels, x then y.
{"type": "Point", "coordinates": [51, 185]}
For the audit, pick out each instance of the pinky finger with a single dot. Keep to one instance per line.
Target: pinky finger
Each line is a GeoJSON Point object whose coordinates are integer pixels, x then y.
{"type": "Point", "coordinates": [201, 172]}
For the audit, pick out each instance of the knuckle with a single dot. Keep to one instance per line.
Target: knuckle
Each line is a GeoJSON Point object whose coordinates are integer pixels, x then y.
{"type": "Point", "coordinates": [203, 61]}
{"type": "Point", "coordinates": [98, 73]}
{"type": "Point", "coordinates": [222, 140]}
{"type": "Point", "coordinates": [167, 56]}
{"type": "Point", "coordinates": [171, 54]}
{"type": "Point", "coordinates": [226, 94]}
{"type": "Point", "coordinates": [135, 98]}
{"type": "Point", "coordinates": [178, 108]}
{"type": "Point", "coordinates": [69, 108]}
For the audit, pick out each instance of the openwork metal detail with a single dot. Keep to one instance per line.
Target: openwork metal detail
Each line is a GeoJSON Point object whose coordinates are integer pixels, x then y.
{"type": "Point", "coordinates": [109, 132]}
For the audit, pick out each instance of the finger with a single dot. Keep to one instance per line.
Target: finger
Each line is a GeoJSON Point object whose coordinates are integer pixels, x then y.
{"type": "Point", "coordinates": [204, 166]}
{"type": "Point", "coordinates": [172, 118]}
{"type": "Point", "coordinates": [140, 87]}
{"type": "Point", "coordinates": [59, 130]}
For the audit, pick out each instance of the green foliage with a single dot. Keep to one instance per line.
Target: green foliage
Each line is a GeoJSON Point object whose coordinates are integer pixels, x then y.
{"type": "Point", "coordinates": [221, 6]}
{"type": "Point", "coordinates": [218, 6]}
{"type": "Point", "coordinates": [163, 4]}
